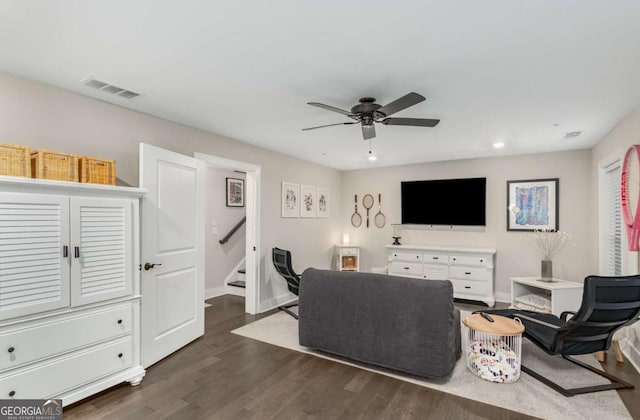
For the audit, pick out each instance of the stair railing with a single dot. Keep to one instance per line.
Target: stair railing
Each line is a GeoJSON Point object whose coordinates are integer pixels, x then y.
{"type": "Point", "coordinates": [232, 231]}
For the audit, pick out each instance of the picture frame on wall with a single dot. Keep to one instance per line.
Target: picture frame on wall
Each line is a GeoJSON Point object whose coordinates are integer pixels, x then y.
{"type": "Point", "coordinates": [290, 199]}
{"type": "Point", "coordinates": [323, 199]}
{"type": "Point", "coordinates": [308, 202]}
{"type": "Point", "coordinates": [532, 204]}
{"type": "Point", "coordinates": [235, 192]}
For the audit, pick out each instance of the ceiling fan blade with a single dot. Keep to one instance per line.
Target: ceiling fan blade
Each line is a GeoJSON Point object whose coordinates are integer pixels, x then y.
{"type": "Point", "coordinates": [330, 108]}
{"type": "Point", "coordinates": [368, 131]}
{"type": "Point", "coordinates": [399, 104]}
{"type": "Point", "coordinates": [416, 122]}
{"type": "Point", "coordinates": [329, 125]}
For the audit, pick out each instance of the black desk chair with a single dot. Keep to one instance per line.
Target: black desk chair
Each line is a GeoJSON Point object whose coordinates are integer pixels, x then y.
{"type": "Point", "coordinates": [608, 303]}
{"type": "Point", "coordinates": [282, 263]}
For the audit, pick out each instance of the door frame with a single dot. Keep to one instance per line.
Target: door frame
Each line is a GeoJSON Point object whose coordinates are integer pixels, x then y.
{"type": "Point", "coordinates": [252, 206]}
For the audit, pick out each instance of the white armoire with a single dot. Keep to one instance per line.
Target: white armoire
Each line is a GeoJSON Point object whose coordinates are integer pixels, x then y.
{"type": "Point", "coordinates": [69, 288]}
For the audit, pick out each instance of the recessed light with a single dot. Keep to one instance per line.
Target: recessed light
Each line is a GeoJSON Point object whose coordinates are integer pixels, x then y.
{"type": "Point", "coordinates": [573, 134]}
{"type": "Point", "coordinates": [498, 145]}
{"type": "Point", "coordinates": [373, 158]}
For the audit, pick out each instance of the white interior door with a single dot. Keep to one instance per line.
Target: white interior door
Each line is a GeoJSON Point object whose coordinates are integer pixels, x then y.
{"type": "Point", "coordinates": [172, 224]}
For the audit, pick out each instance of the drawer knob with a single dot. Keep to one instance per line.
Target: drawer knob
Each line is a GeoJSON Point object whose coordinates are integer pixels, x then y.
{"type": "Point", "coordinates": [11, 349]}
{"type": "Point", "coordinates": [467, 272]}
{"type": "Point", "coordinates": [119, 321]}
{"type": "Point", "coordinates": [406, 268]}
{"type": "Point", "coordinates": [120, 355]}
{"type": "Point", "coordinates": [12, 393]}
{"type": "Point", "coordinates": [454, 259]}
{"type": "Point", "coordinates": [435, 258]}
{"type": "Point", "coordinates": [467, 287]}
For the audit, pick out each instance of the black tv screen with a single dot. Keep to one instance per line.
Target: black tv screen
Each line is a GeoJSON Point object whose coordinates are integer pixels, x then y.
{"type": "Point", "coordinates": [444, 202]}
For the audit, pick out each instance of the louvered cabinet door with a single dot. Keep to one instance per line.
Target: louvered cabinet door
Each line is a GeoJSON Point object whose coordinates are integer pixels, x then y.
{"type": "Point", "coordinates": [34, 272]}
{"type": "Point", "coordinates": [101, 244]}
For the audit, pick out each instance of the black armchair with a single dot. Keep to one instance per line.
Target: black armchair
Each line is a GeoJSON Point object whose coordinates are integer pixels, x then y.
{"type": "Point", "coordinates": [282, 263]}
{"type": "Point", "coordinates": [608, 303]}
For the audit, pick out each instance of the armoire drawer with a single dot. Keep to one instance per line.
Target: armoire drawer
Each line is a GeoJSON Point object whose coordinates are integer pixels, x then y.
{"type": "Point", "coordinates": [467, 273]}
{"type": "Point", "coordinates": [54, 377]}
{"type": "Point", "coordinates": [408, 268]}
{"type": "Point", "coordinates": [469, 287]}
{"type": "Point", "coordinates": [48, 338]}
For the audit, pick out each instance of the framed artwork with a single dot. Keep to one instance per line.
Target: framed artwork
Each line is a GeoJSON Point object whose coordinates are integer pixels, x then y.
{"type": "Point", "coordinates": [290, 199]}
{"type": "Point", "coordinates": [532, 204]}
{"type": "Point", "coordinates": [323, 203]}
{"type": "Point", "coordinates": [235, 192]}
{"type": "Point", "coordinates": [308, 204]}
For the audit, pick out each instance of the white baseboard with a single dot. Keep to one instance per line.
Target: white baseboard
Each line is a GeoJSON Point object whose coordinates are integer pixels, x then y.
{"type": "Point", "coordinates": [215, 292]}
{"type": "Point", "coordinates": [273, 303]}
{"type": "Point", "coordinates": [236, 291]}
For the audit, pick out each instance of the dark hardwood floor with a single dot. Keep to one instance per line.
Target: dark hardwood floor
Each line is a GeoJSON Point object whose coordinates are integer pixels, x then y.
{"type": "Point", "coordinates": [225, 376]}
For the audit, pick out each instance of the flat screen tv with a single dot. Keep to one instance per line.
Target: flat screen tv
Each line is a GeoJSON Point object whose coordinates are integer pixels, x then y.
{"type": "Point", "coordinates": [444, 202]}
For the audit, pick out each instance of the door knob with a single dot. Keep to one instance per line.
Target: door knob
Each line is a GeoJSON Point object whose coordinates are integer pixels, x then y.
{"type": "Point", "coordinates": [149, 266]}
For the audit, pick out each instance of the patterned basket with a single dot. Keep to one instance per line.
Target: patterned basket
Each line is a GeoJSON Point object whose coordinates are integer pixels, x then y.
{"type": "Point", "coordinates": [97, 171]}
{"type": "Point", "coordinates": [46, 164]}
{"type": "Point", "coordinates": [14, 160]}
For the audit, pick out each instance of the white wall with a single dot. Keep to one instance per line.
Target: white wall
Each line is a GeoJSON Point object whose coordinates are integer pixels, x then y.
{"type": "Point", "coordinates": [514, 257]}
{"type": "Point", "coordinates": [42, 116]}
{"type": "Point", "coordinates": [614, 145]}
{"type": "Point", "coordinates": [221, 259]}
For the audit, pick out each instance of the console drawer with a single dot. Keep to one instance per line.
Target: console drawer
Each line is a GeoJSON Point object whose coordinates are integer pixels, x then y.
{"type": "Point", "coordinates": [435, 258]}
{"type": "Point", "coordinates": [349, 251]}
{"type": "Point", "coordinates": [469, 287]}
{"type": "Point", "coordinates": [49, 379]}
{"type": "Point", "coordinates": [49, 338]}
{"type": "Point", "coordinates": [467, 273]}
{"type": "Point", "coordinates": [480, 261]}
{"type": "Point", "coordinates": [406, 256]}
{"type": "Point", "coordinates": [435, 271]}
{"type": "Point", "coordinates": [408, 268]}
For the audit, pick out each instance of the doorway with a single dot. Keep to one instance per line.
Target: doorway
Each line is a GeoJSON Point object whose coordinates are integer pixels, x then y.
{"type": "Point", "coordinates": [252, 226]}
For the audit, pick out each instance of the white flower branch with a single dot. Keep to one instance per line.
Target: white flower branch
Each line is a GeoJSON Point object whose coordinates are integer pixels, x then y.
{"type": "Point", "coordinates": [548, 242]}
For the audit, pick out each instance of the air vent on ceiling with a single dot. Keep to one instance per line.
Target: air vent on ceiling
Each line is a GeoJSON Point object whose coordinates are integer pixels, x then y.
{"type": "Point", "coordinates": [573, 134]}
{"type": "Point", "coordinates": [109, 88]}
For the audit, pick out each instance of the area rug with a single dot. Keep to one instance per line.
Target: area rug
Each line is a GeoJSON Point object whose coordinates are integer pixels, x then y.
{"type": "Point", "coordinates": [527, 395]}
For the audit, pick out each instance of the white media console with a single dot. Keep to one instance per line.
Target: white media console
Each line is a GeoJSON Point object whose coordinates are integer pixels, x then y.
{"type": "Point", "coordinates": [469, 269]}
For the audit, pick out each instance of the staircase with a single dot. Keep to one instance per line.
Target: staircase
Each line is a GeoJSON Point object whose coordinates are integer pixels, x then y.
{"type": "Point", "coordinates": [239, 282]}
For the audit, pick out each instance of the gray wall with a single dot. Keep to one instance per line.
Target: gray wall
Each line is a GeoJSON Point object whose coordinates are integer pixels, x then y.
{"type": "Point", "coordinates": [42, 116]}
{"type": "Point", "coordinates": [613, 146]}
{"type": "Point", "coordinates": [514, 257]}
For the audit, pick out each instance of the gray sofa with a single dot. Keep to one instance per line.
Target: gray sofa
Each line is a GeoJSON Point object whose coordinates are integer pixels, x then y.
{"type": "Point", "coordinates": [400, 323]}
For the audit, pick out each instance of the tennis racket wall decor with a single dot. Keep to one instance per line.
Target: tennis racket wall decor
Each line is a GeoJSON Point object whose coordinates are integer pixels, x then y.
{"type": "Point", "coordinates": [356, 219]}
{"type": "Point", "coordinates": [629, 196]}
{"type": "Point", "coordinates": [380, 219]}
{"type": "Point", "coordinates": [367, 202]}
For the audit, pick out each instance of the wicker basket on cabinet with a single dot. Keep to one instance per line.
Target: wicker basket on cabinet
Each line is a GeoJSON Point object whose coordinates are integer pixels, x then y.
{"type": "Point", "coordinates": [97, 171]}
{"type": "Point", "coordinates": [14, 160]}
{"type": "Point", "coordinates": [47, 164]}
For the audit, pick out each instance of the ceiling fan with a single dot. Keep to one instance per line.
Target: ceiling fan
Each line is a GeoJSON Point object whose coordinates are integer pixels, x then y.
{"type": "Point", "coordinates": [368, 112]}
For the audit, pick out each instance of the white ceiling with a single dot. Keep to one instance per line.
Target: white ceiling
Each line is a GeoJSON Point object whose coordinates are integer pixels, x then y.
{"type": "Point", "coordinates": [523, 72]}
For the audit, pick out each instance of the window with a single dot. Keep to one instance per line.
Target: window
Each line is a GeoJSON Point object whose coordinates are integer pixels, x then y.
{"type": "Point", "coordinates": [611, 221]}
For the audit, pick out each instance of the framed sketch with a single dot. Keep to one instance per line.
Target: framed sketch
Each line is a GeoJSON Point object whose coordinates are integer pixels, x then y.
{"type": "Point", "coordinates": [235, 192]}
{"type": "Point", "coordinates": [323, 203]}
{"type": "Point", "coordinates": [532, 204]}
{"type": "Point", "coordinates": [308, 204]}
{"type": "Point", "coordinates": [290, 199]}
